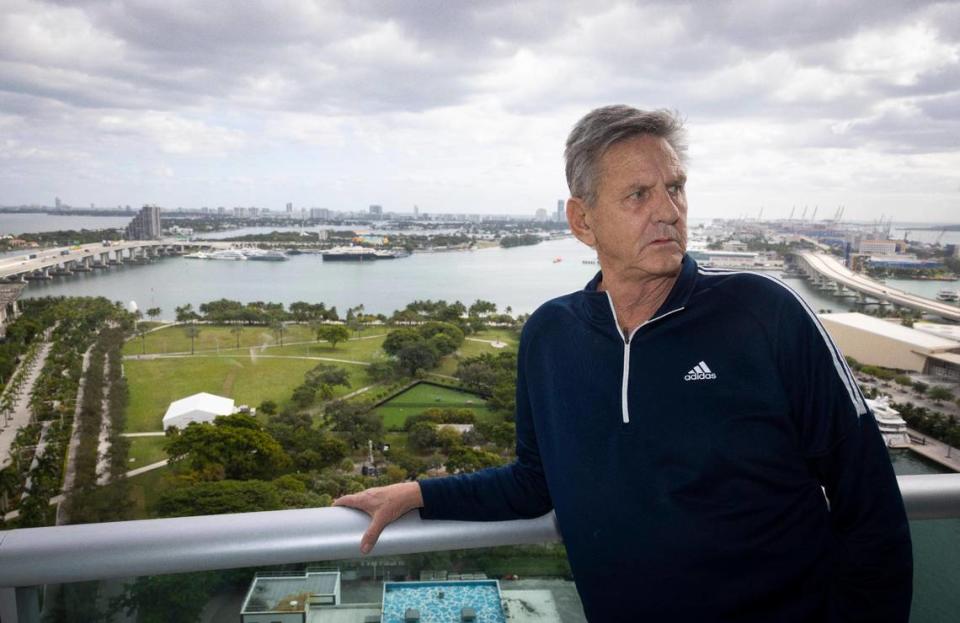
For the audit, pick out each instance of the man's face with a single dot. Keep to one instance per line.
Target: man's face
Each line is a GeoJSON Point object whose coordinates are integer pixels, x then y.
{"type": "Point", "coordinates": [638, 224]}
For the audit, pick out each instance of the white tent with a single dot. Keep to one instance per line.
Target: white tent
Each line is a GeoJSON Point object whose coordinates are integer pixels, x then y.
{"type": "Point", "coordinates": [202, 407]}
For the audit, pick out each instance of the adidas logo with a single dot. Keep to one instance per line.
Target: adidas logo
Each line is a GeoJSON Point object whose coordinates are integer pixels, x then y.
{"type": "Point", "coordinates": [700, 372]}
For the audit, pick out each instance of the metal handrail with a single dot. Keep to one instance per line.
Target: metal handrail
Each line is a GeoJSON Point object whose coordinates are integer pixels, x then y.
{"type": "Point", "coordinates": [36, 556]}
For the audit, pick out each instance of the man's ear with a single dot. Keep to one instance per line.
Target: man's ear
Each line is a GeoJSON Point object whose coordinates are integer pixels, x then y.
{"type": "Point", "coordinates": [579, 223]}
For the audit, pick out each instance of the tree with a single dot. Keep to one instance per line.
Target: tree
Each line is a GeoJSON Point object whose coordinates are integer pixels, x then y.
{"type": "Point", "coordinates": [465, 459]}
{"type": "Point", "coordinates": [185, 313]}
{"type": "Point", "coordinates": [277, 326]}
{"type": "Point", "coordinates": [423, 436]}
{"type": "Point", "coordinates": [267, 407]}
{"type": "Point", "coordinates": [216, 498]}
{"type": "Point", "coordinates": [356, 422]}
{"type": "Point", "coordinates": [397, 339]}
{"type": "Point", "coordinates": [237, 329]}
{"type": "Point", "coordinates": [192, 331]}
{"type": "Point", "coordinates": [141, 332]}
{"type": "Point", "coordinates": [420, 355]}
{"type": "Point", "coordinates": [939, 393]}
{"type": "Point", "coordinates": [334, 333]}
{"type": "Point", "coordinates": [154, 312]}
{"type": "Point", "coordinates": [235, 446]}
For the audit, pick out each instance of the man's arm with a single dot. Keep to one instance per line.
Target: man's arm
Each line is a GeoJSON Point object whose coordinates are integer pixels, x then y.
{"type": "Point", "coordinates": [845, 452]}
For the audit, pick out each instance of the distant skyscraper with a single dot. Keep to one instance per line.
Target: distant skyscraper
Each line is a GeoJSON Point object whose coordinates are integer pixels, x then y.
{"type": "Point", "coordinates": [416, 211]}
{"type": "Point", "coordinates": [376, 211]}
{"type": "Point", "coordinates": [57, 203]}
{"type": "Point", "coordinates": [145, 225]}
{"type": "Point", "coordinates": [289, 207]}
{"type": "Point", "coordinates": [541, 214]}
{"type": "Point", "coordinates": [561, 210]}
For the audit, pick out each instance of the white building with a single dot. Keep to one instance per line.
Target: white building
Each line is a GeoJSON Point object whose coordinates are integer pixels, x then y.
{"type": "Point", "coordinates": [885, 343]}
{"type": "Point", "coordinates": [878, 247]}
{"type": "Point", "coordinates": [202, 407]}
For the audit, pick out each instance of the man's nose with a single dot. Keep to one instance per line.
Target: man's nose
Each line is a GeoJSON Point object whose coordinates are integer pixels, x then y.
{"type": "Point", "coordinates": [667, 209]}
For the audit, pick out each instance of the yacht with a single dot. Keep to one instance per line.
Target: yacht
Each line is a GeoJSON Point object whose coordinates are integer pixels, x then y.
{"type": "Point", "coordinates": [265, 256]}
{"type": "Point", "coordinates": [948, 295]}
{"type": "Point", "coordinates": [199, 255]}
{"type": "Point", "coordinates": [228, 254]}
{"type": "Point", "coordinates": [891, 425]}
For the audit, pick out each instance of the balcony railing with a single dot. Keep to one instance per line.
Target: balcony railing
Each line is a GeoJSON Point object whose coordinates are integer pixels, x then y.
{"type": "Point", "coordinates": [32, 557]}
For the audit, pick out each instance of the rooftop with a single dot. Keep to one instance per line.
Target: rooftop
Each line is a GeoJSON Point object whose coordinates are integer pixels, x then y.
{"type": "Point", "coordinates": [892, 330]}
{"type": "Point", "coordinates": [443, 602]}
{"type": "Point", "coordinates": [290, 593]}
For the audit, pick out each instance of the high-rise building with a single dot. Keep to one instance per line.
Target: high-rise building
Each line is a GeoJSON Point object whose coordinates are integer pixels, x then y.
{"type": "Point", "coordinates": [541, 214]}
{"type": "Point", "coordinates": [145, 225]}
{"type": "Point", "coordinates": [416, 211]}
{"type": "Point", "coordinates": [561, 210]}
{"type": "Point", "coordinates": [289, 207]}
{"type": "Point", "coordinates": [376, 211]}
{"type": "Point", "coordinates": [57, 203]}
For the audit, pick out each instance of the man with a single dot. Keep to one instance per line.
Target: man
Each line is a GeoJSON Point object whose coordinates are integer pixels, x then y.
{"type": "Point", "coordinates": [707, 451]}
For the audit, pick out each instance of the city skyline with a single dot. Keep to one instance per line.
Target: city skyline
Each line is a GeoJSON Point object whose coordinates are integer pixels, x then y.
{"type": "Point", "coordinates": [464, 109]}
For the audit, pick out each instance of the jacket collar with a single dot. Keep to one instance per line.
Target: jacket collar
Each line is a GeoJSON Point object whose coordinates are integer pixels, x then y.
{"type": "Point", "coordinates": [597, 306]}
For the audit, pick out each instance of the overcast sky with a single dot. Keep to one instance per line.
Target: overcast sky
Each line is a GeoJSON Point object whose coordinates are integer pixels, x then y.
{"type": "Point", "coordinates": [465, 106]}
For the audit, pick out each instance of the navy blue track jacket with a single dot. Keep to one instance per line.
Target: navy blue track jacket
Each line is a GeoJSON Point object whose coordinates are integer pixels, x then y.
{"type": "Point", "coordinates": [687, 462]}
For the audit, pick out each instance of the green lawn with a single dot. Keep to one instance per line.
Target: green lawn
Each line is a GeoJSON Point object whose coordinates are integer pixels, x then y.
{"type": "Point", "coordinates": [146, 450]}
{"type": "Point", "coordinates": [145, 489]}
{"type": "Point", "coordinates": [352, 350]}
{"type": "Point", "coordinates": [155, 383]}
{"type": "Point", "coordinates": [471, 348]}
{"type": "Point", "coordinates": [424, 396]}
{"type": "Point", "coordinates": [218, 337]}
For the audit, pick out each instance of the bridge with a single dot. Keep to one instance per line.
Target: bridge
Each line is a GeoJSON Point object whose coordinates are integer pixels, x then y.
{"type": "Point", "coordinates": [824, 268]}
{"type": "Point", "coordinates": [45, 263]}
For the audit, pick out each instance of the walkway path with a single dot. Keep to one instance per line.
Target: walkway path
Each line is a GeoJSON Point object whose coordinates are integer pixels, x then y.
{"type": "Point", "coordinates": [151, 434]}
{"type": "Point", "coordinates": [21, 414]}
{"type": "Point", "coordinates": [147, 468]}
{"type": "Point", "coordinates": [103, 440]}
{"type": "Point", "coordinates": [70, 471]}
{"type": "Point", "coordinates": [253, 356]}
{"type": "Point", "coordinates": [228, 349]}
{"type": "Point", "coordinates": [936, 451]}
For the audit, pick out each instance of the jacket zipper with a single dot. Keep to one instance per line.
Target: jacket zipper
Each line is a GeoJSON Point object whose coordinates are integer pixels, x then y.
{"type": "Point", "coordinates": [627, 339]}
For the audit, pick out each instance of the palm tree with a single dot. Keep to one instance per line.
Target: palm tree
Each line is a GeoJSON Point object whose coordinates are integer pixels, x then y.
{"type": "Point", "coordinates": [142, 334]}
{"type": "Point", "coordinates": [192, 331]}
{"type": "Point", "coordinates": [237, 329]}
{"type": "Point", "coordinates": [154, 313]}
{"type": "Point", "coordinates": [277, 327]}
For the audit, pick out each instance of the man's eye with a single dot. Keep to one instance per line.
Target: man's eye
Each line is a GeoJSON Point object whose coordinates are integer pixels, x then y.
{"type": "Point", "coordinates": [675, 189]}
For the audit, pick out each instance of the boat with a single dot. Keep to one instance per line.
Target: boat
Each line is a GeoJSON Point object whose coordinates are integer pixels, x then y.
{"type": "Point", "coordinates": [349, 254]}
{"type": "Point", "coordinates": [892, 427]}
{"type": "Point", "coordinates": [228, 254]}
{"type": "Point", "coordinates": [948, 295]}
{"type": "Point", "coordinates": [265, 256]}
{"type": "Point", "coordinates": [199, 255]}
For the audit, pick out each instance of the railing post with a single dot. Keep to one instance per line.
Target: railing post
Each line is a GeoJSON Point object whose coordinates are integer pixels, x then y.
{"type": "Point", "coordinates": [20, 605]}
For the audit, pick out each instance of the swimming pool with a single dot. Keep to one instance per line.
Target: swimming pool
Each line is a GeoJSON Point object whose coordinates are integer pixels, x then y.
{"type": "Point", "coordinates": [441, 602]}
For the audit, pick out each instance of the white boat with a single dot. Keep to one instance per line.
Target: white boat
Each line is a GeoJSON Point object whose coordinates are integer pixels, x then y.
{"type": "Point", "coordinates": [199, 255]}
{"type": "Point", "coordinates": [948, 295]}
{"type": "Point", "coordinates": [891, 425]}
{"type": "Point", "coordinates": [349, 254]}
{"type": "Point", "coordinates": [262, 255]}
{"type": "Point", "coordinates": [228, 254]}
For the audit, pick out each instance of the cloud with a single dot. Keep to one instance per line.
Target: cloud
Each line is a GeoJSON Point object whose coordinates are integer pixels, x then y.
{"type": "Point", "coordinates": [464, 105]}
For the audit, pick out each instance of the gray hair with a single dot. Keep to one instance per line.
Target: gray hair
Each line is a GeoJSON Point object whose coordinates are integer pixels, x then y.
{"type": "Point", "coordinates": [600, 128]}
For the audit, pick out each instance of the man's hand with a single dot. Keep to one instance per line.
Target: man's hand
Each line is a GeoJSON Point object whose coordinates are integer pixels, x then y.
{"type": "Point", "coordinates": [384, 505]}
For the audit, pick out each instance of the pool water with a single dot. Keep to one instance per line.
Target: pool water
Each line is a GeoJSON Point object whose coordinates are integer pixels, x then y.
{"type": "Point", "coordinates": [481, 595]}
